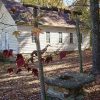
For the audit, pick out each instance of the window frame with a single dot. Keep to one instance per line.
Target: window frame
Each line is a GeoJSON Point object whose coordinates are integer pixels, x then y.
{"type": "Point", "coordinates": [60, 37]}
{"type": "Point", "coordinates": [47, 37]}
{"type": "Point", "coordinates": [71, 38]}
{"type": "Point", "coordinates": [33, 38]}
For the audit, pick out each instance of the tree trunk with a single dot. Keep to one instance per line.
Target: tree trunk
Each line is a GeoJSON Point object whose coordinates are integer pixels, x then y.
{"type": "Point", "coordinates": [79, 43]}
{"type": "Point", "coordinates": [94, 8]}
{"type": "Point", "coordinates": [41, 73]}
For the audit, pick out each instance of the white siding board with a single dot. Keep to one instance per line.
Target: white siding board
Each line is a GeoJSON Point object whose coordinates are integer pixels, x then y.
{"type": "Point", "coordinates": [8, 41]}
{"type": "Point", "coordinates": [54, 40]}
{"type": "Point", "coordinates": [25, 41]}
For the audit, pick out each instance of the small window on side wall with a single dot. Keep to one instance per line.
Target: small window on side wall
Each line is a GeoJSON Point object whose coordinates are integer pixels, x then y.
{"type": "Point", "coordinates": [71, 38]}
{"type": "Point", "coordinates": [60, 37]}
{"type": "Point", "coordinates": [47, 37]}
{"type": "Point", "coordinates": [33, 38]}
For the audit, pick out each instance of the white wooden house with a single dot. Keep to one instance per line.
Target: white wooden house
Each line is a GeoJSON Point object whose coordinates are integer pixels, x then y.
{"type": "Point", "coordinates": [7, 27]}
{"type": "Point", "coordinates": [58, 31]}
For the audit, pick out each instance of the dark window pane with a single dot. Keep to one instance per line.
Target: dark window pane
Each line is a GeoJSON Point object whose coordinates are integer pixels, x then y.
{"type": "Point", "coordinates": [33, 39]}
{"type": "Point", "coordinates": [60, 37]}
{"type": "Point", "coordinates": [71, 37]}
{"type": "Point", "coordinates": [48, 37]}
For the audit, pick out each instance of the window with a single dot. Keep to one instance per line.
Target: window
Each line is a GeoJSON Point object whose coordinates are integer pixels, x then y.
{"type": "Point", "coordinates": [33, 39]}
{"type": "Point", "coordinates": [71, 37]}
{"type": "Point", "coordinates": [48, 37]}
{"type": "Point", "coordinates": [60, 37]}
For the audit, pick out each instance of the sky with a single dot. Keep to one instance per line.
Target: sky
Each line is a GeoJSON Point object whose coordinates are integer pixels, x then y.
{"type": "Point", "coordinates": [68, 2]}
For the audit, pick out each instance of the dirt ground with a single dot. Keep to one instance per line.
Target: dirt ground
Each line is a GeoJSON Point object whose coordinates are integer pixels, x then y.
{"type": "Point", "coordinates": [26, 86]}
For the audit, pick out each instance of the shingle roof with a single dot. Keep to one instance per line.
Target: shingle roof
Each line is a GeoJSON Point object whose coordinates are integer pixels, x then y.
{"type": "Point", "coordinates": [60, 19]}
{"type": "Point", "coordinates": [23, 15]}
{"type": "Point", "coordinates": [18, 11]}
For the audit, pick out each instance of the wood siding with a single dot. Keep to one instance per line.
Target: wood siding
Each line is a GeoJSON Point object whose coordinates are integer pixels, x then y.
{"type": "Point", "coordinates": [7, 39]}
{"type": "Point", "coordinates": [26, 45]}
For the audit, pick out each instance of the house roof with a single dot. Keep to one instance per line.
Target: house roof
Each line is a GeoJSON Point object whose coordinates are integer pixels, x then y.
{"type": "Point", "coordinates": [59, 19]}
{"type": "Point", "coordinates": [23, 15]}
{"type": "Point", "coordinates": [18, 12]}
